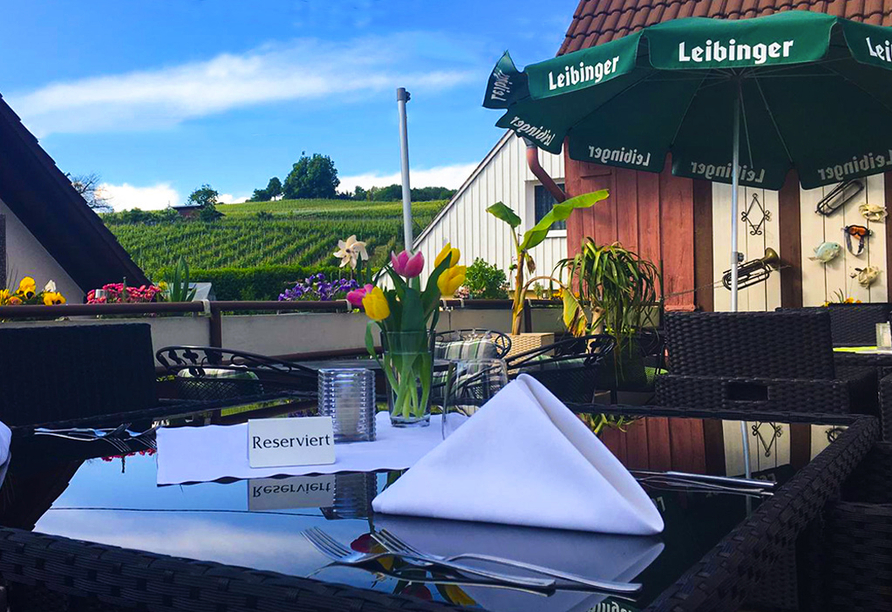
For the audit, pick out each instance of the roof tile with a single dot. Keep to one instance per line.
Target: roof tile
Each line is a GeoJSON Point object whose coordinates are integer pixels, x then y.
{"type": "Point", "coordinates": [599, 21]}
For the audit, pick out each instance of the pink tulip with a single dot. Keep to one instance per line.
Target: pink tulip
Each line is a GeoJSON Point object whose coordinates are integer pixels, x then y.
{"type": "Point", "coordinates": [407, 265]}
{"type": "Point", "coordinates": [355, 296]}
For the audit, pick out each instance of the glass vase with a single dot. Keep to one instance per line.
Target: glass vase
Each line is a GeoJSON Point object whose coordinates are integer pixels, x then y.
{"type": "Point", "coordinates": [408, 366]}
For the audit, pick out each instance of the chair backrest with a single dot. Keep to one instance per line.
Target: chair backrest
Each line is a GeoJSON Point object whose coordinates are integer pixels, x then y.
{"type": "Point", "coordinates": [787, 344]}
{"type": "Point", "coordinates": [471, 344]}
{"type": "Point", "coordinates": [56, 372]}
{"type": "Point", "coordinates": [855, 324]}
{"type": "Point", "coordinates": [852, 324]}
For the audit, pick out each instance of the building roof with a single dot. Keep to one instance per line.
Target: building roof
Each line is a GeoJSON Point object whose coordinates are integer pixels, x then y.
{"type": "Point", "coordinates": [600, 21]}
{"type": "Point", "coordinates": [43, 199]}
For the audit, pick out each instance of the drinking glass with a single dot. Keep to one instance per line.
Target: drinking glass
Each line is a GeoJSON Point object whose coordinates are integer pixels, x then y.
{"type": "Point", "coordinates": [470, 384]}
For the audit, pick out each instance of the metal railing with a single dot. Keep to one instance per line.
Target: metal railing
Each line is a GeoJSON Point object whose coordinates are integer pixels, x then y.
{"type": "Point", "coordinates": [216, 309]}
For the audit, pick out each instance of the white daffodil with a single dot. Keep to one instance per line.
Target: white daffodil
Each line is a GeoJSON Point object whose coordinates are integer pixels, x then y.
{"type": "Point", "coordinates": [350, 250]}
{"type": "Point", "coordinates": [50, 287]}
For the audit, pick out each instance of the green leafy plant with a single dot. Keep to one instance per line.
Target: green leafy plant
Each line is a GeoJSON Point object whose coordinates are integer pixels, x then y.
{"type": "Point", "coordinates": [532, 238]}
{"type": "Point", "coordinates": [486, 281]}
{"type": "Point", "coordinates": [177, 287]}
{"type": "Point", "coordinates": [610, 287]}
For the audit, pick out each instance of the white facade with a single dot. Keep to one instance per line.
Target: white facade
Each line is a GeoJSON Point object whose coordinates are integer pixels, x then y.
{"type": "Point", "coordinates": [503, 176]}
{"type": "Point", "coordinates": [25, 256]}
{"type": "Point", "coordinates": [820, 282]}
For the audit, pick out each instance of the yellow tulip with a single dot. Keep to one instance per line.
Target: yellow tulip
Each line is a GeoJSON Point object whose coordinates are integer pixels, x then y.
{"type": "Point", "coordinates": [375, 305]}
{"type": "Point", "coordinates": [51, 298]}
{"type": "Point", "coordinates": [451, 279]}
{"type": "Point", "coordinates": [27, 287]}
{"type": "Point", "coordinates": [456, 595]}
{"type": "Point", "coordinates": [452, 254]}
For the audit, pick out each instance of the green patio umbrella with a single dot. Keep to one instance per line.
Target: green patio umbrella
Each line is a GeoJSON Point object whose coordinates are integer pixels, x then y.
{"type": "Point", "coordinates": [739, 102]}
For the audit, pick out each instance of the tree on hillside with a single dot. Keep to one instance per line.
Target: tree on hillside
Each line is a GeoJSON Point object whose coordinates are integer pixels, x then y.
{"type": "Point", "coordinates": [390, 193]}
{"type": "Point", "coordinates": [312, 177]}
{"type": "Point", "coordinates": [203, 196]}
{"type": "Point", "coordinates": [273, 190]}
{"type": "Point", "coordinates": [87, 185]}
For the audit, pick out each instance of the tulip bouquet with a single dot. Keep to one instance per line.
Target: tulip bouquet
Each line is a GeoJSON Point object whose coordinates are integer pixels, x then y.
{"type": "Point", "coordinates": [406, 315]}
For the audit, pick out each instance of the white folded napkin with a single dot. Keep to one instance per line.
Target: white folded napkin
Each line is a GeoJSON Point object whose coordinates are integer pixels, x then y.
{"type": "Point", "coordinates": [524, 459]}
{"type": "Point", "coordinates": [598, 556]}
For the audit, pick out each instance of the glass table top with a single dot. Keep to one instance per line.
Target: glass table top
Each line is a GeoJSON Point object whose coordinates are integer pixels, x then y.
{"type": "Point", "coordinates": [258, 523]}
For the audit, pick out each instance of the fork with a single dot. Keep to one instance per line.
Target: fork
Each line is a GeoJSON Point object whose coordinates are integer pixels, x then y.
{"type": "Point", "coordinates": [400, 547]}
{"type": "Point", "coordinates": [342, 555]}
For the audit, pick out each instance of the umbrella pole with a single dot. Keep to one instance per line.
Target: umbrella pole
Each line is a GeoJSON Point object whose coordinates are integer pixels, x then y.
{"type": "Point", "coordinates": [735, 183]}
{"type": "Point", "coordinates": [402, 96]}
{"type": "Point", "coordinates": [735, 258]}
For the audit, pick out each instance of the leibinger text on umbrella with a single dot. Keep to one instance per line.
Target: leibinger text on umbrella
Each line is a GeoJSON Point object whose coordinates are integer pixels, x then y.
{"type": "Point", "coordinates": [501, 87]}
{"type": "Point", "coordinates": [622, 156]}
{"type": "Point", "coordinates": [540, 133]}
{"type": "Point", "coordinates": [866, 162]}
{"type": "Point", "coordinates": [715, 51]}
{"type": "Point", "coordinates": [882, 50]}
{"type": "Point", "coordinates": [585, 73]}
{"type": "Point", "coordinates": [711, 171]}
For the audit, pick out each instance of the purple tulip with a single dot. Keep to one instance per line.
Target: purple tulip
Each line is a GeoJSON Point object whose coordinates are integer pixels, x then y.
{"type": "Point", "coordinates": [407, 265]}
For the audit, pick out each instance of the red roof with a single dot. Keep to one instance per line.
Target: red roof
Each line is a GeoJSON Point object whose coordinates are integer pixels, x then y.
{"type": "Point", "coordinates": [600, 21]}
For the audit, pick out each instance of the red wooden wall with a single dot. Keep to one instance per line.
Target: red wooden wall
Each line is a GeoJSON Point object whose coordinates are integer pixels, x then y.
{"type": "Point", "coordinates": [650, 213]}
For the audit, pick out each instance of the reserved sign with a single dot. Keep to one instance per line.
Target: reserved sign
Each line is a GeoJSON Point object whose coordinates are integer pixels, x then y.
{"type": "Point", "coordinates": [288, 493]}
{"type": "Point", "coordinates": [284, 442]}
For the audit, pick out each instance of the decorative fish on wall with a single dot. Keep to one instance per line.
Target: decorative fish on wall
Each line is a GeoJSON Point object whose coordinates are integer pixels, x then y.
{"type": "Point", "coordinates": [826, 251]}
{"type": "Point", "coordinates": [873, 212]}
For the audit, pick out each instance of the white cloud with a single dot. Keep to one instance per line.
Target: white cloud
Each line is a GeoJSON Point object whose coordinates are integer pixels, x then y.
{"type": "Point", "coordinates": [299, 70]}
{"type": "Point", "coordinates": [451, 176]}
{"type": "Point", "coordinates": [228, 198]}
{"type": "Point", "coordinates": [127, 196]}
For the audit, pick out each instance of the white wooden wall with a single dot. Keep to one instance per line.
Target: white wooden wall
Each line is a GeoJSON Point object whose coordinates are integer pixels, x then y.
{"type": "Point", "coordinates": [502, 177]}
{"type": "Point", "coordinates": [761, 296]}
{"type": "Point", "coordinates": [819, 281]}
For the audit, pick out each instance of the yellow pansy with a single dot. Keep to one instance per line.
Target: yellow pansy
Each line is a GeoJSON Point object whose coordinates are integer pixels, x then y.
{"type": "Point", "coordinates": [375, 304]}
{"type": "Point", "coordinates": [14, 301]}
{"type": "Point", "coordinates": [53, 298]}
{"type": "Point", "coordinates": [451, 279]}
{"type": "Point", "coordinates": [4, 297]}
{"type": "Point", "coordinates": [27, 288]}
{"type": "Point", "coordinates": [452, 254]}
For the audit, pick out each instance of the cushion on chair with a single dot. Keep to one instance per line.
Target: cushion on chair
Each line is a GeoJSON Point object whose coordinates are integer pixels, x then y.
{"type": "Point", "coordinates": [474, 348]}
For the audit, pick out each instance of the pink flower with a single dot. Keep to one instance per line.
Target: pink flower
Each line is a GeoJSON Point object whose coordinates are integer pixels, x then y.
{"type": "Point", "coordinates": [407, 265]}
{"type": "Point", "coordinates": [355, 296]}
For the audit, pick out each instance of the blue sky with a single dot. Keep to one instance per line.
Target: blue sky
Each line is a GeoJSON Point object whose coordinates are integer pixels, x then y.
{"type": "Point", "coordinates": [159, 96]}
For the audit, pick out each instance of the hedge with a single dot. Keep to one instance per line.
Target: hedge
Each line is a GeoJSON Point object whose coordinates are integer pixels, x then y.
{"type": "Point", "coordinates": [258, 283]}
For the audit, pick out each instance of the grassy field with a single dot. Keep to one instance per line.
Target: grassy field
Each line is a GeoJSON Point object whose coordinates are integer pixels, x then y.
{"type": "Point", "coordinates": [301, 232]}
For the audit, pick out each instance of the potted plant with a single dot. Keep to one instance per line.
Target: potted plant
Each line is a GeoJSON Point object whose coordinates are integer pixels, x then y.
{"type": "Point", "coordinates": [523, 245]}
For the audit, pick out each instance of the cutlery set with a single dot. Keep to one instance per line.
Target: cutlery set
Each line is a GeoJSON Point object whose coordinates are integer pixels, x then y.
{"type": "Point", "coordinates": [462, 574]}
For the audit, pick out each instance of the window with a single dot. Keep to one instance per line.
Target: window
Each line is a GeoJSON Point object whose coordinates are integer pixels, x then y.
{"type": "Point", "coordinates": [544, 202]}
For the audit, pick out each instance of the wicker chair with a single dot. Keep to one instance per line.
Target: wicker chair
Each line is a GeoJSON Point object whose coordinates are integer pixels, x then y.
{"type": "Point", "coordinates": [855, 542]}
{"type": "Point", "coordinates": [212, 374]}
{"type": "Point", "coordinates": [471, 344]}
{"type": "Point", "coordinates": [761, 361]}
{"type": "Point", "coordinates": [852, 324]}
{"type": "Point", "coordinates": [60, 372]}
{"type": "Point", "coordinates": [568, 368]}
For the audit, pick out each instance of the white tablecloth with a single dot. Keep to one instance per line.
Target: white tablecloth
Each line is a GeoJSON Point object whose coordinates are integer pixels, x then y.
{"type": "Point", "coordinates": [203, 454]}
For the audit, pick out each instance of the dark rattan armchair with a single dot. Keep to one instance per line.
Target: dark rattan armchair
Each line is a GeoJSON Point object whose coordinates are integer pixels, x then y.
{"type": "Point", "coordinates": [852, 324]}
{"type": "Point", "coordinates": [59, 372]}
{"type": "Point", "coordinates": [211, 374]}
{"type": "Point", "coordinates": [854, 541]}
{"type": "Point", "coordinates": [568, 368]}
{"type": "Point", "coordinates": [761, 361]}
